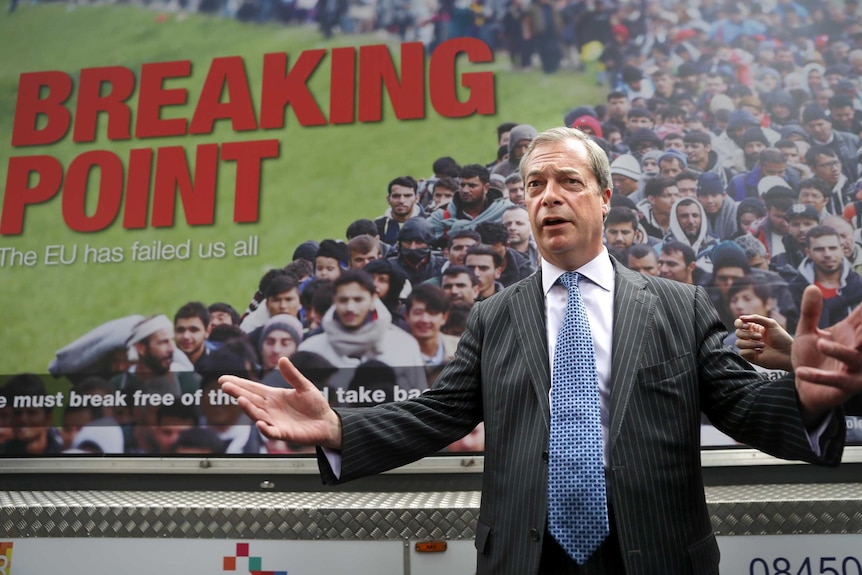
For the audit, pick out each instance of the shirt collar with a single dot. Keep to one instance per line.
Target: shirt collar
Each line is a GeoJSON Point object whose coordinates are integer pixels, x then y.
{"type": "Point", "coordinates": [599, 270]}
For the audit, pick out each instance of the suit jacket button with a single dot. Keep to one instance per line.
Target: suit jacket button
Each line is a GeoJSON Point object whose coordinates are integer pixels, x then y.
{"type": "Point", "coordinates": [534, 534]}
{"type": "Point", "coordinates": [545, 456]}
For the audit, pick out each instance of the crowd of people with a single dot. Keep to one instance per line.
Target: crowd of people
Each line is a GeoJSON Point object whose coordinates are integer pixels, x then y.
{"type": "Point", "coordinates": [734, 152]}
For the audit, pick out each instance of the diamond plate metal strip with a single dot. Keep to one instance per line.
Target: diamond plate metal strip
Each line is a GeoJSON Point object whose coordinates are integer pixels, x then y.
{"type": "Point", "coordinates": [231, 515]}
{"type": "Point", "coordinates": [734, 510]}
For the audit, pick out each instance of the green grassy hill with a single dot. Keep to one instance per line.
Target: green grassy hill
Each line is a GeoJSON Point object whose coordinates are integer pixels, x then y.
{"type": "Point", "coordinates": [324, 178]}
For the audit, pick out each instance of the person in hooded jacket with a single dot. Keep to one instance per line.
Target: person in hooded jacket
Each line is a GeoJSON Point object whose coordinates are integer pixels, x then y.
{"type": "Point", "coordinates": [474, 203]}
{"type": "Point", "coordinates": [519, 138]}
{"type": "Point", "coordinates": [414, 256]}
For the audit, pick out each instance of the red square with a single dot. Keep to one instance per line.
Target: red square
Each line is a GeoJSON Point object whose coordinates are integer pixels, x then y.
{"type": "Point", "coordinates": [229, 564]}
{"type": "Point", "coordinates": [242, 549]}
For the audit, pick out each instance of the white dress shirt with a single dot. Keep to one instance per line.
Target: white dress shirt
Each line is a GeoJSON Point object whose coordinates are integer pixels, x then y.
{"type": "Point", "coordinates": [597, 291]}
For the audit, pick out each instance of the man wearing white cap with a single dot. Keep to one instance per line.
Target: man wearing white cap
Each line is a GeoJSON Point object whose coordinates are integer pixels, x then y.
{"type": "Point", "coordinates": [151, 349]}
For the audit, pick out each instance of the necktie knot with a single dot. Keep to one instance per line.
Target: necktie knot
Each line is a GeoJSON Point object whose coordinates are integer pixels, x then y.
{"type": "Point", "coordinates": [570, 279]}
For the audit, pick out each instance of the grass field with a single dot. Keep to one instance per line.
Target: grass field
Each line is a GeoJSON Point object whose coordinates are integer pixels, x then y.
{"type": "Point", "coordinates": [324, 178]}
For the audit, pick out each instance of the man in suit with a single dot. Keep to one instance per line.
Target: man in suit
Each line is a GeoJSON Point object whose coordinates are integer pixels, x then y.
{"type": "Point", "coordinates": [660, 363]}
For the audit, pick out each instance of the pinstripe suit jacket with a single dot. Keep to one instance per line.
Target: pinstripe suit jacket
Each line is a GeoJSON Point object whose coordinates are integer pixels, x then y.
{"type": "Point", "coordinates": [668, 366]}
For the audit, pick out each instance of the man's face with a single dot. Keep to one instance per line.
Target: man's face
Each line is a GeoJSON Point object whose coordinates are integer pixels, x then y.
{"type": "Point", "coordinates": [746, 220]}
{"type": "Point", "coordinates": [669, 167]}
{"type": "Point", "coordinates": [635, 122]}
{"type": "Point", "coordinates": [674, 142]}
{"type": "Point", "coordinates": [752, 149]}
{"type": "Point", "coordinates": [565, 204]}
{"type": "Point", "coordinates": [423, 322]}
{"type": "Point", "coordinates": [485, 271]}
{"type": "Point", "coordinates": [472, 191]}
{"type": "Point", "coordinates": [30, 424]}
{"type": "Point", "coordinates": [220, 318]}
{"type": "Point", "coordinates": [845, 236]}
{"type": "Point", "coordinates": [381, 284]}
{"type": "Point", "coordinates": [820, 130]}
{"type": "Point", "coordinates": [517, 224]}
{"type": "Point", "coordinates": [158, 351]}
{"type": "Point", "coordinates": [687, 188]}
{"type": "Point", "coordinates": [620, 236]}
{"type": "Point", "coordinates": [442, 196]}
{"type": "Point", "coordinates": [711, 202]}
{"type": "Point", "coordinates": [458, 250]}
{"type": "Point", "coordinates": [460, 288]}
{"type": "Point", "coordinates": [520, 148]}
{"type": "Point", "coordinates": [842, 117]}
{"type": "Point", "coordinates": [791, 153]}
{"type": "Point", "coordinates": [812, 197]}
{"type": "Point", "coordinates": [799, 227]}
{"type": "Point", "coordinates": [516, 192]}
{"type": "Point", "coordinates": [352, 303]}
{"type": "Point", "coordinates": [624, 185]}
{"type": "Point", "coordinates": [413, 245]}
{"type": "Point", "coordinates": [649, 166]}
{"type": "Point", "coordinates": [359, 261]}
{"type": "Point", "coordinates": [777, 220]}
{"type": "Point", "coordinates": [326, 268]}
{"type": "Point", "coordinates": [190, 334]}
{"type": "Point", "coordinates": [618, 108]}
{"type": "Point", "coordinates": [277, 343]}
{"type": "Point", "coordinates": [168, 431]}
{"type": "Point", "coordinates": [663, 84]}
{"type": "Point", "coordinates": [672, 266]}
{"type": "Point", "coordinates": [826, 254]}
{"type": "Point", "coordinates": [689, 217]}
{"type": "Point", "coordinates": [716, 85]}
{"type": "Point", "coordinates": [773, 169]}
{"type": "Point", "coordinates": [284, 302]}
{"type": "Point", "coordinates": [747, 302]}
{"type": "Point", "coordinates": [827, 168]}
{"type": "Point", "coordinates": [662, 202]}
{"type": "Point", "coordinates": [646, 265]}
{"type": "Point", "coordinates": [725, 277]}
{"type": "Point", "coordinates": [401, 199]}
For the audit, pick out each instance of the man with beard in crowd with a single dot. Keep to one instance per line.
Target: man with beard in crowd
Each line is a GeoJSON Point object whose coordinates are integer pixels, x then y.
{"type": "Point", "coordinates": [403, 201]}
{"type": "Point", "coordinates": [151, 350]}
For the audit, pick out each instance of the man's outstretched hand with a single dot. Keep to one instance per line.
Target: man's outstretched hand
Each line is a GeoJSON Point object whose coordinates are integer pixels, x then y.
{"type": "Point", "coordinates": [827, 362]}
{"type": "Point", "coordinates": [300, 415]}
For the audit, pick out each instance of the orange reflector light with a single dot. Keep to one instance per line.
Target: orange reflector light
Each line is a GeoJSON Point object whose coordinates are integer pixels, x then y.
{"type": "Point", "coordinates": [431, 546]}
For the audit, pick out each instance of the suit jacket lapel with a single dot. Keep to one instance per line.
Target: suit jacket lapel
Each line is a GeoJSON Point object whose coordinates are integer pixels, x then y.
{"type": "Point", "coordinates": [633, 309]}
{"type": "Point", "coordinates": [528, 311]}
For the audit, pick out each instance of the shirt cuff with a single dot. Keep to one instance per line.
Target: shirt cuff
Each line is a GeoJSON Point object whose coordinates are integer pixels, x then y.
{"type": "Point", "coordinates": [334, 459]}
{"type": "Point", "coordinates": [814, 437]}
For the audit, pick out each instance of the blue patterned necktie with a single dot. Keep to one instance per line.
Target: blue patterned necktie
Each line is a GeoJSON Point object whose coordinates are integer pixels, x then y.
{"type": "Point", "coordinates": [577, 501]}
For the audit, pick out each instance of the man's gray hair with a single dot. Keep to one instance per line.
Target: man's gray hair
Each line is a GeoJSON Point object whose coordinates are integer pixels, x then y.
{"type": "Point", "coordinates": [599, 163]}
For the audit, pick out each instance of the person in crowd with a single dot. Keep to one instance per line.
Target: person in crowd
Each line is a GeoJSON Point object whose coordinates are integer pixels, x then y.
{"type": "Point", "coordinates": [771, 229]}
{"type": "Point", "coordinates": [414, 256]}
{"type": "Point", "coordinates": [661, 193]}
{"type": "Point", "coordinates": [191, 325]}
{"type": "Point", "coordinates": [333, 257]}
{"type": "Point", "coordinates": [528, 441]}
{"type": "Point", "coordinates": [826, 165]}
{"type": "Point", "coordinates": [519, 138]}
{"type": "Point", "coordinates": [819, 127]}
{"type": "Point", "coordinates": [515, 187]}
{"type": "Point", "coordinates": [485, 263]}
{"type": "Point", "coordinates": [279, 337]}
{"type": "Point", "coordinates": [621, 230]}
{"type": "Point", "coordinates": [642, 258]}
{"type": "Point", "coordinates": [461, 285]}
{"type": "Point", "coordinates": [427, 313]}
{"type": "Point", "coordinates": [626, 174]}
{"type": "Point", "coordinates": [281, 295]}
{"type": "Point", "coordinates": [720, 210]}
{"type": "Point", "coordinates": [363, 249]}
{"type": "Point", "coordinates": [688, 225]}
{"type": "Point", "coordinates": [517, 223]}
{"type": "Point", "coordinates": [770, 163]}
{"type": "Point", "coordinates": [677, 261]}
{"type": "Point", "coordinates": [151, 351]}
{"type": "Point", "coordinates": [33, 431]}
{"type": "Point", "coordinates": [826, 268]}
{"type": "Point", "coordinates": [403, 200]}
{"type": "Point", "coordinates": [514, 265]}
{"type": "Point", "coordinates": [800, 220]}
{"type": "Point", "coordinates": [221, 313]}
{"type": "Point", "coordinates": [358, 327]}
{"type": "Point", "coordinates": [475, 202]}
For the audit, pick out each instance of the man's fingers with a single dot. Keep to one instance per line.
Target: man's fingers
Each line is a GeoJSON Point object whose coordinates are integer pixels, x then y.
{"type": "Point", "coordinates": [848, 383]}
{"type": "Point", "coordinates": [812, 305]}
{"type": "Point", "coordinates": [293, 376]}
{"type": "Point", "coordinates": [850, 357]}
